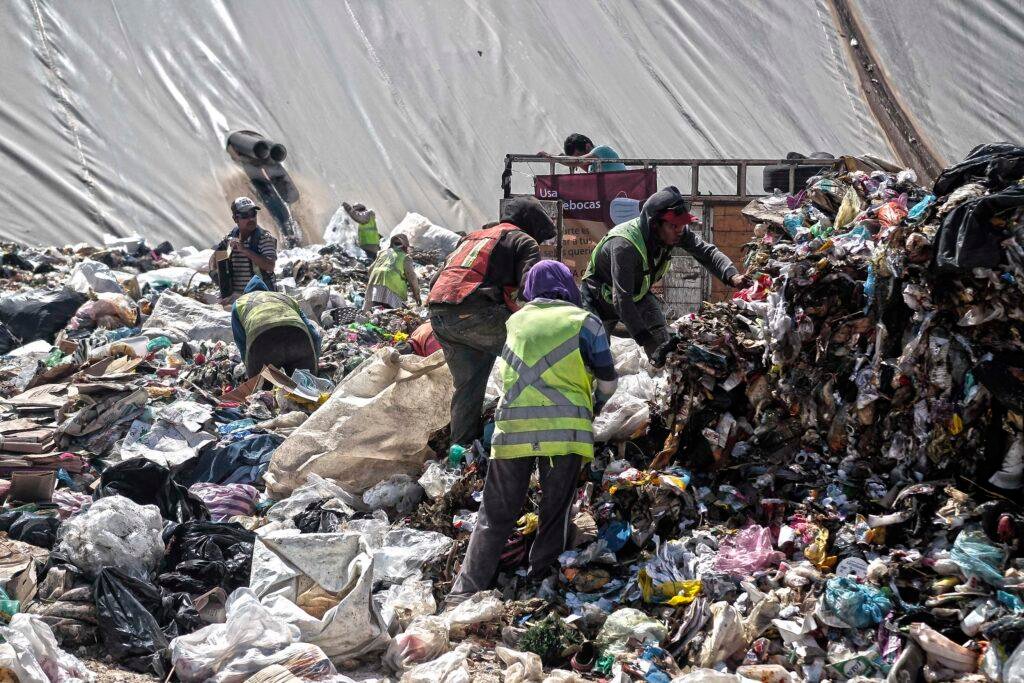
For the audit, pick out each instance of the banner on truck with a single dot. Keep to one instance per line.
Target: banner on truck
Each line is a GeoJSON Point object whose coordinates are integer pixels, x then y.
{"type": "Point", "coordinates": [592, 204]}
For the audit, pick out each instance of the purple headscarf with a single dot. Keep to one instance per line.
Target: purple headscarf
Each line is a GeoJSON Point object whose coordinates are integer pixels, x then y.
{"type": "Point", "coordinates": [551, 280]}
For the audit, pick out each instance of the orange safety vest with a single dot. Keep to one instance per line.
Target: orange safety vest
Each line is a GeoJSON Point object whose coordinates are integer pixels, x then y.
{"type": "Point", "coordinates": [466, 268]}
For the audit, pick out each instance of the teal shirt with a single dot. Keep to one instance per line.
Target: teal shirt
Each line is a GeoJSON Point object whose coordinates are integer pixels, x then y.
{"type": "Point", "coordinates": [605, 152]}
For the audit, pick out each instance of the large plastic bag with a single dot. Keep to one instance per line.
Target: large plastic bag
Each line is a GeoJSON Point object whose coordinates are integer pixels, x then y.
{"type": "Point", "coordinates": [184, 319]}
{"type": "Point", "coordinates": [626, 623]}
{"type": "Point", "coordinates": [448, 668]}
{"type": "Point", "coordinates": [479, 608]}
{"type": "Point", "coordinates": [173, 275]}
{"type": "Point", "coordinates": [405, 550]}
{"type": "Point", "coordinates": [854, 603]}
{"type": "Point", "coordinates": [137, 622]}
{"type": "Point", "coordinates": [331, 576]}
{"type": "Point", "coordinates": [315, 489]}
{"type": "Point", "coordinates": [95, 276]}
{"type": "Point", "coordinates": [354, 438]}
{"type": "Point", "coordinates": [747, 552]}
{"type": "Point", "coordinates": [977, 556]}
{"type": "Point", "coordinates": [250, 629]}
{"type": "Point", "coordinates": [39, 314]}
{"type": "Point", "coordinates": [426, 638]}
{"type": "Point", "coordinates": [725, 638]}
{"type": "Point", "coordinates": [425, 235]}
{"type": "Point", "coordinates": [114, 532]}
{"type": "Point", "coordinates": [403, 602]}
{"type": "Point", "coordinates": [36, 656]}
{"type": "Point", "coordinates": [148, 483]}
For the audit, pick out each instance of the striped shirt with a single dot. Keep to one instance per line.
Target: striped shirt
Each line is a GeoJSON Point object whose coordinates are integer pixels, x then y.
{"type": "Point", "coordinates": [242, 269]}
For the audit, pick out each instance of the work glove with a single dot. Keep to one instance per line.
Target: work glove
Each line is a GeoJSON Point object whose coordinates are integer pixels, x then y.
{"type": "Point", "coordinates": [598, 407]}
{"type": "Point", "coordinates": [660, 354]}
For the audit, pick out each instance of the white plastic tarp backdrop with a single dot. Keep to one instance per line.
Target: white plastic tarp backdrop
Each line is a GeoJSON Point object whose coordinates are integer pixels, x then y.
{"type": "Point", "coordinates": [114, 114]}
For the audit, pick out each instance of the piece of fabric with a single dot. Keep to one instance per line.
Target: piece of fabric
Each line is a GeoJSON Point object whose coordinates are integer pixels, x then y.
{"type": "Point", "coordinates": [238, 327]}
{"type": "Point", "coordinates": [551, 280]}
{"type": "Point", "coordinates": [605, 152]}
{"type": "Point", "coordinates": [238, 462]}
{"type": "Point", "coordinates": [242, 269]}
{"type": "Point", "coordinates": [423, 341]}
{"type": "Point", "coordinates": [546, 406]}
{"type": "Point", "coordinates": [226, 500]}
{"type": "Point", "coordinates": [505, 491]}
{"type": "Point", "coordinates": [472, 339]}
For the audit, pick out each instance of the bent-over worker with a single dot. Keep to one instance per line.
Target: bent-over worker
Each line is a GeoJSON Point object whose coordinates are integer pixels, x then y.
{"type": "Point", "coordinates": [367, 235]}
{"type": "Point", "coordinates": [270, 329]}
{"type": "Point", "coordinates": [253, 249]}
{"type": "Point", "coordinates": [392, 276]}
{"type": "Point", "coordinates": [554, 353]}
{"type": "Point", "coordinates": [633, 256]}
{"type": "Point", "coordinates": [472, 297]}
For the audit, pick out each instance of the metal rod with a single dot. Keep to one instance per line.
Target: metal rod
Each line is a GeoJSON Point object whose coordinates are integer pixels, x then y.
{"type": "Point", "coordinates": [528, 158]}
{"type": "Point", "coordinates": [695, 181]}
{"type": "Point", "coordinates": [741, 179]}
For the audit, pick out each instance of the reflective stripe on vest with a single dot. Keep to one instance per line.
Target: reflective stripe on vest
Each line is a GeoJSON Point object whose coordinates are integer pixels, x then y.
{"type": "Point", "coordinates": [466, 267]}
{"type": "Point", "coordinates": [630, 231]}
{"type": "Point", "coordinates": [259, 311]}
{"type": "Point", "coordinates": [546, 408]}
{"type": "Point", "coordinates": [368, 235]}
{"type": "Point", "coordinates": [388, 269]}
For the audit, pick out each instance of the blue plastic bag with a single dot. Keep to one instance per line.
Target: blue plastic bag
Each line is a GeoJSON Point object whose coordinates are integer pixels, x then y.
{"type": "Point", "coordinates": [978, 557]}
{"type": "Point", "coordinates": [858, 605]}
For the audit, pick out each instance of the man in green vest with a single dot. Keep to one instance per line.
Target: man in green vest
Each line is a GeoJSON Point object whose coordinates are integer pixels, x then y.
{"type": "Point", "coordinates": [392, 276]}
{"type": "Point", "coordinates": [633, 256]}
{"type": "Point", "coordinates": [557, 372]}
{"type": "Point", "coordinates": [270, 329]}
{"type": "Point", "coordinates": [368, 237]}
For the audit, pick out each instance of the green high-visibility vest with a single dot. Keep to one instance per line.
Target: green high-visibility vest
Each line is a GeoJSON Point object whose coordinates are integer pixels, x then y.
{"type": "Point", "coordinates": [368, 235]}
{"type": "Point", "coordinates": [547, 403]}
{"type": "Point", "coordinates": [632, 233]}
{"type": "Point", "coordinates": [388, 269]}
{"type": "Point", "coordinates": [259, 311]}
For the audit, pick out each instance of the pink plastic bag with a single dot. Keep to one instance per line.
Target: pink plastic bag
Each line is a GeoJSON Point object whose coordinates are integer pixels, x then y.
{"type": "Point", "coordinates": [747, 552]}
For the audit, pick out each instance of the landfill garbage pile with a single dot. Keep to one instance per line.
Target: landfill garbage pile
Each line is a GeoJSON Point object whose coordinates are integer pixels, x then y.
{"type": "Point", "coordinates": [823, 483]}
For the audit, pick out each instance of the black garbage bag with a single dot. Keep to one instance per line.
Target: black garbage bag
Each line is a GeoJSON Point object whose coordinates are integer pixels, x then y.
{"type": "Point", "coordinates": [205, 555]}
{"type": "Point", "coordinates": [137, 622]}
{"type": "Point", "coordinates": [36, 529]}
{"type": "Point", "coordinates": [149, 483]}
{"type": "Point", "coordinates": [8, 342]}
{"type": "Point", "coordinates": [969, 238]}
{"type": "Point", "coordinates": [997, 164]}
{"type": "Point", "coordinates": [316, 520]}
{"type": "Point", "coordinates": [39, 315]}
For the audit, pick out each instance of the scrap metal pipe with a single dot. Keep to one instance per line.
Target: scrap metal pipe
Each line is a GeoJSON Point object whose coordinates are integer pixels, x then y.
{"type": "Point", "coordinates": [278, 152]}
{"type": "Point", "coordinates": [250, 144]}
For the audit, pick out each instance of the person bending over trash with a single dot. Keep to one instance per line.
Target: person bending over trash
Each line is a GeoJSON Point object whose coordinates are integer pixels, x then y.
{"type": "Point", "coordinates": [368, 237]}
{"type": "Point", "coordinates": [633, 256]}
{"type": "Point", "coordinates": [253, 249]}
{"type": "Point", "coordinates": [270, 329]}
{"type": "Point", "coordinates": [472, 297]}
{"type": "Point", "coordinates": [392, 276]}
{"type": "Point", "coordinates": [579, 145]}
{"type": "Point", "coordinates": [554, 352]}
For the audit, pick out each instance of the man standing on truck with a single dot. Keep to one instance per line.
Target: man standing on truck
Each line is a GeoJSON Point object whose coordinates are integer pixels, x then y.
{"type": "Point", "coordinates": [474, 294]}
{"type": "Point", "coordinates": [579, 145]}
{"type": "Point", "coordinates": [633, 256]}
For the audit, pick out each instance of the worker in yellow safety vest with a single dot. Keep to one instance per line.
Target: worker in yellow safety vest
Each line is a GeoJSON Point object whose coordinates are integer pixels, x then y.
{"type": "Point", "coordinates": [367, 236]}
{"type": "Point", "coordinates": [392, 276]}
{"type": "Point", "coordinates": [270, 329]}
{"type": "Point", "coordinates": [557, 372]}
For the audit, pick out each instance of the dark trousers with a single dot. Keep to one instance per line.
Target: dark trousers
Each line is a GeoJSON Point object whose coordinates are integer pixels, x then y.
{"type": "Point", "coordinates": [286, 348]}
{"type": "Point", "coordinates": [649, 308]}
{"type": "Point", "coordinates": [472, 339]}
{"type": "Point", "coordinates": [505, 491]}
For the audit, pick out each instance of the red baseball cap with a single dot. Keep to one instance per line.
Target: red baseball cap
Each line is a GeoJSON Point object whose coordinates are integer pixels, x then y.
{"type": "Point", "coordinates": [678, 217]}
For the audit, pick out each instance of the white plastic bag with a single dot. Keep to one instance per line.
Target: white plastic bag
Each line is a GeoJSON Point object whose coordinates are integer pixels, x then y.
{"type": "Point", "coordinates": [398, 492]}
{"type": "Point", "coordinates": [405, 601]}
{"type": "Point", "coordinates": [522, 666]}
{"type": "Point", "coordinates": [626, 623]}
{"type": "Point", "coordinates": [448, 668]}
{"type": "Point", "coordinates": [436, 480]}
{"type": "Point", "coordinates": [93, 275]}
{"type": "Point", "coordinates": [426, 638]}
{"type": "Point", "coordinates": [425, 235]}
{"type": "Point", "coordinates": [726, 637]}
{"type": "Point", "coordinates": [404, 550]}
{"type": "Point", "coordinates": [36, 656]}
{"type": "Point", "coordinates": [218, 652]}
{"type": "Point", "coordinates": [184, 319]}
{"type": "Point", "coordinates": [480, 608]}
{"type": "Point", "coordinates": [114, 532]}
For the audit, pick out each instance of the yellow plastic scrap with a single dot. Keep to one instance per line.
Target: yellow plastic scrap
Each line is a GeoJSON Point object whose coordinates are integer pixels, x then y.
{"type": "Point", "coordinates": [400, 337]}
{"type": "Point", "coordinates": [667, 593]}
{"type": "Point", "coordinates": [816, 551]}
{"type": "Point", "coordinates": [672, 482]}
{"type": "Point", "coordinates": [956, 425]}
{"type": "Point", "coordinates": [528, 523]}
{"type": "Point", "coordinates": [849, 209]}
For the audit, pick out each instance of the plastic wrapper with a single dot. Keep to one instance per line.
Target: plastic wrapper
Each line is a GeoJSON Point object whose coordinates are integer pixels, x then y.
{"type": "Point", "coordinates": [978, 557]}
{"type": "Point", "coordinates": [406, 601]}
{"type": "Point", "coordinates": [250, 630]}
{"type": "Point", "coordinates": [522, 666]}
{"type": "Point", "coordinates": [114, 532]}
{"type": "Point", "coordinates": [424, 639]}
{"type": "Point", "coordinates": [747, 552]}
{"type": "Point", "coordinates": [856, 604]}
{"type": "Point", "coordinates": [943, 651]}
{"type": "Point", "coordinates": [436, 480]}
{"type": "Point", "coordinates": [36, 656]}
{"type": "Point", "coordinates": [479, 608]}
{"type": "Point", "coordinates": [315, 489]}
{"type": "Point", "coordinates": [405, 550]}
{"type": "Point", "coordinates": [398, 492]}
{"type": "Point", "coordinates": [626, 623]}
{"type": "Point", "coordinates": [448, 668]}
